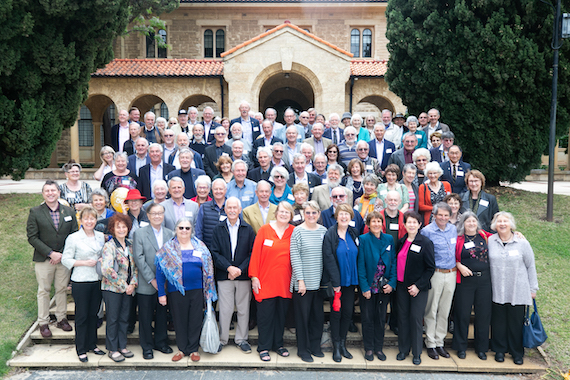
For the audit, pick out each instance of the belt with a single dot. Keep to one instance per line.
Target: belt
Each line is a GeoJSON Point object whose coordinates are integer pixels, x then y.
{"type": "Point", "coordinates": [446, 270]}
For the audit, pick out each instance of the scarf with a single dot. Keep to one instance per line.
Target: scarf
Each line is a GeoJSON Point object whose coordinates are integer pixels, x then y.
{"type": "Point", "coordinates": [366, 204]}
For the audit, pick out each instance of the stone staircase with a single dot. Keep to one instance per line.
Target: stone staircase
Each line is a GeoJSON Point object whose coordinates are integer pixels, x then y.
{"type": "Point", "coordinates": [59, 352]}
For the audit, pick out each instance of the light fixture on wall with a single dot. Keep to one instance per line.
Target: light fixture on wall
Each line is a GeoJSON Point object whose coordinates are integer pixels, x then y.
{"type": "Point", "coordinates": [286, 75]}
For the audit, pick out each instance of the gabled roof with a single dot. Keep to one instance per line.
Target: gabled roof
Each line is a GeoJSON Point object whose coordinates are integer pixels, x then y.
{"type": "Point", "coordinates": [161, 68]}
{"type": "Point", "coordinates": [367, 68]}
{"type": "Point", "coordinates": [287, 24]}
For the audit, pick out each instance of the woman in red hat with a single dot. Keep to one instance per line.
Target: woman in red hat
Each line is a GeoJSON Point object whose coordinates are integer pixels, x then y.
{"type": "Point", "coordinates": [134, 202]}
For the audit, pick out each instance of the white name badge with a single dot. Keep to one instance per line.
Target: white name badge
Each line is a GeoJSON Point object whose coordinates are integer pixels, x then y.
{"type": "Point", "coordinates": [188, 214]}
{"type": "Point", "coordinates": [394, 226]}
{"type": "Point", "coordinates": [415, 248]}
{"type": "Point", "coordinates": [483, 202]}
{"type": "Point", "coordinates": [384, 192]}
{"type": "Point", "coordinates": [225, 154]}
{"type": "Point", "coordinates": [459, 174]}
{"type": "Point", "coordinates": [143, 224]}
{"type": "Point", "coordinates": [311, 190]}
{"type": "Point", "coordinates": [245, 198]}
{"type": "Point", "coordinates": [291, 197]}
{"type": "Point", "coordinates": [196, 253]}
{"type": "Point", "coordinates": [388, 248]}
{"type": "Point", "coordinates": [453, 240]}
{"type": "Point", "coordinates": [369, 167]}
{"type": "Point", "coordinates": [357, 242]}
{"type": "Point", "coordinates": [418, 135]}
{"type": "Point", "coordinates": [297, 217]}
{"type": "Point", "coordinates": [352, 223]}
{"type": "Point", "coordinates": [268, 243]}
{"type": "Point", "coordinates": [222, 218]}
{"type": "Point", "coordinates": [256, 129]}
{"type": "Point", "coordinates": [126, 182]}
{"type": "Point", "coordinates": [389, 150]}
{"type": "Point", "coordinates": [67, 218]}
{"type": "Point", "coordinates": [514, 252]}
{"type": "Point", "coordinates": [212, 131]}
{"type": "Point", "coordinates": [469, 245]}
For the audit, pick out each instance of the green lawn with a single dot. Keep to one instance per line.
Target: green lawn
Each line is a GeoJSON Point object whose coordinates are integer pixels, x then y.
{"type": "Point", "coordinates": [551, 243]}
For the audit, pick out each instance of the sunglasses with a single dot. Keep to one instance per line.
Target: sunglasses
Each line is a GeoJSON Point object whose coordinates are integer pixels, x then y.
{"type": "Point", "coordinates": [311, 212]}
{"type": "Point", "coordinates": [278, 177]}
{"type": "Point", "coordinates": [182, 228]}
{"type": "Point", "coordinates": [338, 196]}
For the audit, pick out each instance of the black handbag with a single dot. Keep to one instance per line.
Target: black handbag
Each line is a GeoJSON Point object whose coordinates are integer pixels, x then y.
{"type": "Point", "coordinates": [533, 331]}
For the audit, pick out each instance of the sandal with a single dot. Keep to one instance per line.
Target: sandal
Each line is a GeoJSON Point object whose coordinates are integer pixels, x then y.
{"type": "Point", "coordinates": [98, 351]}
{"type": "Point", "coordinates": [282, 351]}
{"type": "Point", "coordinates": [116, 356]}
{"type": "Point", "coordinates": [127, 354]}
{"type": "Point", "coordinates": [264, 356]}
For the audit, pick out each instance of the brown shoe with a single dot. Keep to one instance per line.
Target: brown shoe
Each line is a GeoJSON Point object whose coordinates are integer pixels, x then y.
{"type": "Point", "coordinates": [178, 356]}
{"type": "Point", "coordinates": [45, 331]}
{"type": "Point", "coordinates": [64, 325]}
{"type": "Point", "coordinates": [195, 356]}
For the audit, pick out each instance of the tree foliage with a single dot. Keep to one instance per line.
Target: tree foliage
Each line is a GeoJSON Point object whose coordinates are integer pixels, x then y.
{"type": "Point", "coordinates": [487, 66]}
{"type": "Point", "coordinates": [48, 49]}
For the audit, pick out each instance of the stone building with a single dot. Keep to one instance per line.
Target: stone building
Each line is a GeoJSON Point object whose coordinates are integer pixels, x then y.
{"type": "Point", "coordinates": [327, 54]}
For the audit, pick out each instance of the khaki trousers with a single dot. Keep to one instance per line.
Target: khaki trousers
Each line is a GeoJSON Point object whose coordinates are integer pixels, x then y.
{"type": "Point", "coordinates": [440, 297]}
{"type": "Point", "coordinates": [46, 275]}
{"type": "Point", "coordinates": [230, 293]}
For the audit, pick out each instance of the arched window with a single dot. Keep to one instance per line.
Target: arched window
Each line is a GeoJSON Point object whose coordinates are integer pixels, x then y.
{"type": "Point", "coordinates": [85, 125]}
{"type": "Point", "coordinates": [220, 42]}
{"type": "Point", "coordinates": [152, 49]}
{"type": "Point", "coordinates": [162, 51]}
{"type": "Point", "coordinates": [355, 42]}
{"type": "Point", "coordinates": [164, 111]}
{"type": "Point", "coordinates": [366, 43]}
{"type": "Point", "coordinates": [208, 43]}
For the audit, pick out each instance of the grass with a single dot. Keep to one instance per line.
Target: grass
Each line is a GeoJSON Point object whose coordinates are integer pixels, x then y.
{"type": "Point", "coordinates": [550, 241]}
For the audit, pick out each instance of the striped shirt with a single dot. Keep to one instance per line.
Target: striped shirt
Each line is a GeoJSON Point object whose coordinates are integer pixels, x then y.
{"type": "Point", "coordinates": [307, 257]}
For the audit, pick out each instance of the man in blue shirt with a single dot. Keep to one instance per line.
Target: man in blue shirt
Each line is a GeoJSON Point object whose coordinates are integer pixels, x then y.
{"type": "Point", "coordinates": [241, 187]}
{"type": "Point", "coordinates": [444, 236]}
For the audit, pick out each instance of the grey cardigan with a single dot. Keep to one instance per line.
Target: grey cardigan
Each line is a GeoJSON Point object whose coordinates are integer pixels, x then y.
{"type": "Point", "coordinates": [513, 273]}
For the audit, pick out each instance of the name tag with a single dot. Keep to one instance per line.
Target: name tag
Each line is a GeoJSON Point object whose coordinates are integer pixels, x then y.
{"type": "Point", "coordinates": [144, 224]}
{"type": "Point", "coordinates": [268, 243]}
{"type": "Point", "coordinates": [453, 240]}
{"type": "Point", "coordinates": [324, 181]}
{"type": "Point", "coordinates": [297, 217]}
{"type": "Point", "coordinates": [357, 242]}
{"type": "Point", "coordinates": [225, 154]}
{"type": "Point", "coordinates": [469, 245]}
{"type": "Point", "coordinates": [67, 218]}
{"type": "Point", "coordinates": [418, 135]}
{"type": "Point", "coordinates": [389, 150]}
{"type": "Point", "coordinates": [188, 214]}
{"type": "Point", "coordinates": [352, 223]}
{"type": "Point", "coordinates": [415, 248]}
{"type": "Point", "coordinates": [369, 167]}
{"type": "Point", "coordinates": [394, 226]}
{"type": "Point", "coordinates": [459, 174]}
{"type": "Point", "coordinates": [388, 248]}
{"type": "Point", "coordinates": [291, 197]}
{"type": "Point", "coordinates": [384, 192]}
{"type": "Point", "coordinates": [256, 129]}
{"type": "Point", "coordinates": [514, 252]}
{"type": "Point", "coordinates": [483, 202]}
{"type": "Point", "coordinates": [222, 218]}
{"type": "Point", "coordinates": [311, 190]}
{"type": "Point", "coordinates": [212, 131]}
{"type": "Point", "coordinates": [245, 198]}
{"type": "Point", "coordinates": [197, 253]}
{"type": "Point", "coordinates": [126, 182]}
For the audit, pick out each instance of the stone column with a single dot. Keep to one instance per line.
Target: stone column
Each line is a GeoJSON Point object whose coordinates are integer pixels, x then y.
{"type": "Point", "coordinates": [74, 141]}
{"type": "Point", "coordinates": [96, 143]}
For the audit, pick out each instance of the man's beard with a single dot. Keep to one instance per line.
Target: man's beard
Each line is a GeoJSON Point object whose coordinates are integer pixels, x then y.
{"type": "Point", "coordinates": [333, 184]}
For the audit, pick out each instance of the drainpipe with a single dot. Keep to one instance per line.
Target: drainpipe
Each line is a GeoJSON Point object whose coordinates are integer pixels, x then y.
{"type": "Point", "coordinates": [222, 91]}
{"type": "Point", "coordinates": [350, 94]}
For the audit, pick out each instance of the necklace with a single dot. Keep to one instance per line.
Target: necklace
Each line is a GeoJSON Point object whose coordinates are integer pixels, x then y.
{"type": "Point", "coordinates": [357, 189]}
{"type": "Point", "coordinates": [470, 237]}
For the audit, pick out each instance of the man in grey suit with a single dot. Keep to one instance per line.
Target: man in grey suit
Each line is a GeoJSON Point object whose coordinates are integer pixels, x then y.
{"type": "Point", "coordinates": [403, 156]}
{"type": "Point", "coordinates": [177, 206]}
{"type": "Point", "coordinates": [49, 224]}
{"type": "Point", "coordinates": [147, 241]}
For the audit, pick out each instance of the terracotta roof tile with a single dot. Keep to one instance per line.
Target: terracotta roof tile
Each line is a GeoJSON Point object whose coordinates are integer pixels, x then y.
{"type": "Point", "coordinates": [285, 25]}
{"type": "Point", "coordinates": [161, 68]}
{"type": "Point", "coordinates": [367, 68]}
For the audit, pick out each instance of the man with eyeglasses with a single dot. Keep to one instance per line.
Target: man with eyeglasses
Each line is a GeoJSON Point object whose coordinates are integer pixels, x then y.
{"type": "Point", "coordinates": [371, 165]}
{"type": "Point", "coordinates": [423, 121]}
{"type": "Point", "coordinates": [347, 148]}
{"type": "Point", "coordinates": [182, 123]}
{"type": "Point", "coordinates": [250, 126]}
{"type": "Point", "coordinates": [338, 196]}
{"type": "Point", "coordinates": [322, 193]}
{"type": "Point", "coordinates": [146, 242]}
{"type": "Point", "coordinates": [263, 171]}
{"type": "Point", "coordinates": [380, 148]}
{"type": "Point", "coordinates": [279, 158]}
{"type": "Point", "coordinates": [209, 124]}
{"type": "Point", "coordinates": [455, 169]}
{"type": "Point", "coordinates": [434, 124]}
{"type": "Point", "coordinates": [403, 156]}
{"type": "Point", "coordinates": [168, 145]}
{"type": "Point", "coordinates": [215, 151]}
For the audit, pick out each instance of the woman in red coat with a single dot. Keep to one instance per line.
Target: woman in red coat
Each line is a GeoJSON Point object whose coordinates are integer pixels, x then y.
{"type": "Point", "coordinates": [432, 191]}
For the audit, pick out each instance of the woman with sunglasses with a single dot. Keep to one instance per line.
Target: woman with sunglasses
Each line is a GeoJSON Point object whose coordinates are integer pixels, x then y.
{"type": "Point", "coordinates": [280, 191]}
{"type": "Point", "coordinates": [332, 154]}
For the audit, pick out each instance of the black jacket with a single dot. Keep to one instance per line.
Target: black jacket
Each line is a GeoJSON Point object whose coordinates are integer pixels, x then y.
{"type": "Point", "coordinates": [221, 249]}
{"type": "Point", "coordinates": [331, 269]}
{"type": "Point", "coordinates": [144, 184]}
{"type": "Point", "coordinates": [420, 266]}
{"type": "Point", "coordinates": [211, 157]}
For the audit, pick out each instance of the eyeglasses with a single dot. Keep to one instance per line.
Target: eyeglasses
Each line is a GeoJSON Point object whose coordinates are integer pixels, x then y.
{"type": "Point", "coordinates": [156, 213]}
{"type": "Point", "coordinates": [338, 196]}
{"type": "Point", "coordinates": [421, 160]}
{"type": "Point", "coordinates": [303, 117]}
{"type": "Point", "coordinates": [362, 149]}
{"type": "Point", "coordinates": [278, 176]}
{"type": "Point", "coordinates": [182, 228]}
{"type": "Point", "coordinates": [220, 134]}
{"type": "Point", "coordinates": [168, 135]}
{"type": "Point", "coordinates": [277, 151]}
{"type": "Point", "coordinates": [311, 212]}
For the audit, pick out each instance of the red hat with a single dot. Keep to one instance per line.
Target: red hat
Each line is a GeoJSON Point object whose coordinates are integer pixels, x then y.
{"type": "Point", "coordinates": [134, 194]}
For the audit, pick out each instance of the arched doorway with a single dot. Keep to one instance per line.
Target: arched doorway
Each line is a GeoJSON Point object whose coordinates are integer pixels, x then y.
{"type": "Point", "coordinates": [373, 104]}
{"type": "Point", "coordinates": [284, 90]}
{"type": "Point", "coordinates": [96, 117]}
{"type": "Point", "coordinates": [200, 102]}
{"type": "Point", "coordinates": [153, 103]}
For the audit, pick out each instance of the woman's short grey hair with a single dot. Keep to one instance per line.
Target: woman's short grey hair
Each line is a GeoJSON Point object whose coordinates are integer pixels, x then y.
{"type": "Point", "coordinates": [506, 214]}
{"type": "Point", "coordinates": [160, 119]}
{"type": "Point", "coordinates": [371, 178]}
{"type": "Point", "coordinates": [409, 167]}
{"type": "Point", "coordinates": [434, 167]}
{"type": "Point", "coordinates": [101, 193]}
{"type": "Point", "coordinates": [203, 180]}
{"type": "Point", "coordinates": [312, 204]}
{"type": "Point", "coordinates": [264, 149]}
{"type": "Point", "coordinates": [413, 119]}
{"type": "Point", "coordinates": [279, 170]}
{"type": "Point", "coordinates": [159, 182]}
{"type": "Point", "coordinates": [182, 220]}
{"type": "Point", "coordinates": [461, 224]}
{"type": "Point", "coordinates": [121, 154]}
{"type": "Point", "coordinates": [106, 149]}
{"type": "Point", "coordinates": [356, 116]}
{"type": "Point", "coordinates": [421, 152]}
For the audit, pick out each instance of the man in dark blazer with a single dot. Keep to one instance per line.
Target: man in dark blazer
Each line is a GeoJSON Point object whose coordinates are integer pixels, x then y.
{"type": "Point", "coordinates": [250, 127]}
{"type": "Point", "coordinates": [263, 140]}
{"type": "Point", "coordinates": [145, 178]}
{"type": "Point", "coordinates": [454, 170]}
{"type": "Point", "coordinates": [49, 224]}
{"type": "Point", "coordinates": [380, 143]}
{"type": "Point", "coordinates": [441, 154]}
{"type": "Point", "coordinates": [231, 247]}
{"type": "Point", "coordinates": [340, 195]}
{"type": "Point", "coordinates": [146, 242]}
{"type": "Point", "coordinates": [263, 171]}
{"type": "Point", "coordinates": [209, 124]}
{"type": "Point", "coordinates": [116, 131]}
{"type": "Point", "coordinates": [214, 151]}
{"type": "Point", "coordinates": [334, 129]}
{"type": "Point", "coordinates": [140, 158]}
{"type": "Point", "coordinates": [188, 174]}
{"type": "Point", "coordinates": [300, 175]}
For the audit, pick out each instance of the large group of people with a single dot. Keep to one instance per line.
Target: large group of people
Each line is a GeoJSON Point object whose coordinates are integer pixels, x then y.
{"type": "Point", "coordinates": [274, 220]}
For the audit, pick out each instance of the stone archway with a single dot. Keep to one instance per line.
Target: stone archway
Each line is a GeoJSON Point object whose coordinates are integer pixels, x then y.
{"type": "Point", "coordinates": [89, 146]}
{"type": "Point", "coordinates": [200, 102]}
{"type": "Point", "coordinates": [149, 102]}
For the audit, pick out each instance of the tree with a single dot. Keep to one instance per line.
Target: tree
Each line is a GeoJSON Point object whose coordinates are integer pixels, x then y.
{"type": "Point", "coordinates": [48, 49]}
{"type": "Point", "coordinates": [486, 65]}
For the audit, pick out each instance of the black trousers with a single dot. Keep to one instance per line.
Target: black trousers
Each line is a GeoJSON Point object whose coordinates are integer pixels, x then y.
{"type": "Point", "coordinates": [411, 313]}
{"type": "Point", "coordinates": [87, 297]}
{"type": "Point", "coordinates": [271, 314]}
{"type": "Point", "coordinates": [507, 329]}
{"type": "Point", "coordinates": [117, 306]}
{"type": "Point", "coordinates": [373, 313]}
{"type": "Point", "coordinates": [187, 312]}
{"type": "Point", "coordinates": [340, 320]}
{"type": "Point", "coordinates": [133, 311]}
{"type": "Point", "coordinates": [393, 309]}
{"type": "Point", "coordinates": [150, 310]}
{"type": "Point", "coordinates": [309, 320]}
{"type": "Point", "coordinates": [473, 292]}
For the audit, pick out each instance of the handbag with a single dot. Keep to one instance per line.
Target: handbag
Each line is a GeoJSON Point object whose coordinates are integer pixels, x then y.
{"type": "Point", "coordinates": [533, 331]}
{"type": "Point", "coordinates": [327, 291]}
{"type": "Point", "coordinates": [210, 337]}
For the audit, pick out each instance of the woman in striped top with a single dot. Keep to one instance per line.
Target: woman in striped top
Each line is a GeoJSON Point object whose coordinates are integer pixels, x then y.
{"type": "Point", "coordinates": [307, 264]}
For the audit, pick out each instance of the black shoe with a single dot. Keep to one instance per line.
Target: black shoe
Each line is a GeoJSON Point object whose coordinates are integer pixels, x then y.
{"type": "Point", "coordinates": [451, 327]}
{"type": "Point", "coordinates": [394, 330]}
{"type": "Point", "coordinates": [352, 327]}
{"type": "Point", "coordinates": [401, 356]}
{"type": "Point", "coordinates": [518, 361]}
{"type": "Point", "coordinates": [164, 350]}
{"type": "Point", "coordinates": [499, 357]}
{"type": "Point", "coordinates": [306, 358]}
{"type": "Point", "coordinates": [99, 322]}
{"type": "Point", "coordinates": [432, 353]}
{"type": "Point", "coordinates": [461, 354]}
{"type": "Point", "coordinates": [337, 357]}
{"type": "Point", "coordinates": [442, 352]}
{"type": "Point", "coordinates": [369, 355]}
{"type": "Point", "coordinates": [147, 354]}
{"type": "Point", "coordinates": [85, 359]}
{"type": "Point", "coordinates": [343, 350]}
{"type": "Point", "coordinates": [417, 360]}
{"type": "Point", "coordinates": [130, 330]}
{"type": "Point", "coordinates": [244, 347]}
{"type": "Point", "coordinates": [381, 355]}
{"type": "Point", "coordinates": [98, 351]}
{"type": "Point", "coordinates": [318, 354]}
{"type": "Point", "coordinates": [481, 355]}
{"type": "Point", "coordinates": [220, 347]}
